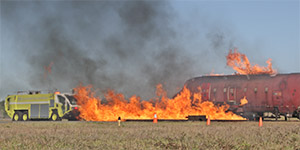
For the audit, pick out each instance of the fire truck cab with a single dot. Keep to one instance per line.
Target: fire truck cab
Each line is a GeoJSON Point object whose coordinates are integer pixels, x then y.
{"type": "Point", "coordinates": [33, 105]}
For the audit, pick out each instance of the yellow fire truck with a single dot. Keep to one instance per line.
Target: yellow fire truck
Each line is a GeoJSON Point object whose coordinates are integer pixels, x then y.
{"type": "Point", "coordinates": [36, 105]}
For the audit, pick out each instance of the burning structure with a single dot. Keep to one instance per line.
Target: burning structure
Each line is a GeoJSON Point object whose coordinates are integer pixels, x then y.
{"type": "Point", "coordinates": [219, 96]}
{"type": "Point", "coordinates": [276, 94]}
{"type": "Point", "coordinates": [265, 90]}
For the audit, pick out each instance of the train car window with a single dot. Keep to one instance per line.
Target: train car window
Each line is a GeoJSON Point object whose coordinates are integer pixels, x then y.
{"type": "Point", "coordinates": [224, 90]}
{"type": "Point", "coordinates": [266, 90]}
{"type": "Point", "coordinates": [245, 89]}
{"type": "Point", "coordinates": [231, 92]}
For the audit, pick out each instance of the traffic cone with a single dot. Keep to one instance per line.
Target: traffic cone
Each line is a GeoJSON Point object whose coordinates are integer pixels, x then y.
{"type": "Point", "coordinates": [260, 122]}
{"type": "Point", "coordinates": [155, 118]}
{"type": "Point", "coordinates": [208, 121]}
{"type": "Point", "coordinates": [119, 121]}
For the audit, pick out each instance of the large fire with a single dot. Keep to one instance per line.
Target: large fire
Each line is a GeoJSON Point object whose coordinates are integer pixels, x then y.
{"type": "Point", "coordinates": [91, 108]}
{"type": "Point", "coordinates": [181, 106]}
{"type": "Point", "coordinates": [240, 63]}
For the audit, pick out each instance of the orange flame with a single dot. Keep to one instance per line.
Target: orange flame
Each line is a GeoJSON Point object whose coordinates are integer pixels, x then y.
{"type": "Point", "coordinates": [91, 108]}
{"type": "Point", "coordinates": [243, 101]}
{"type": "Point", "coordinates": [240, 63]}
{"type": "Point", "coordinates": [215, 74]}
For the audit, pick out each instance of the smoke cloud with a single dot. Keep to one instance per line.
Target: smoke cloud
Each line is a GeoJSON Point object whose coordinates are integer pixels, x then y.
{"type": "Point", "coordinates": [127, 46]}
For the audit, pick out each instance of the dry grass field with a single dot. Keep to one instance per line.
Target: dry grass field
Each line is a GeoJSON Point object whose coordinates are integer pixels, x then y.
{"type": "Point", "coordinates": [146, 135]}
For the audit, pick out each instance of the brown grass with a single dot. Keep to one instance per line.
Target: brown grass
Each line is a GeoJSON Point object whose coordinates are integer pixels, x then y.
{"type": "Point", "coordinates": [146, 135]}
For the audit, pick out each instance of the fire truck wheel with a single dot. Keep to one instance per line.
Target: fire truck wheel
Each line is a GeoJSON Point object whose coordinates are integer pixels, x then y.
{"type": "Point", "coordinates": [17, 116]}
{"type": "Point", "coordinates": [24, 116]}
{"type": "Point", "coordinates": [54, 117]}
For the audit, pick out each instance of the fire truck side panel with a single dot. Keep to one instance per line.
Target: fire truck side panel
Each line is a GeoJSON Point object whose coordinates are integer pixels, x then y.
{"type": "Point", "coordinates": [37, 106]}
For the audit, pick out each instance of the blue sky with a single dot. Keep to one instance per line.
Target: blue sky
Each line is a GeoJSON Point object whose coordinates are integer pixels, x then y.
{"type": "Point", "coordinates": [271, 29]}
{"type": "Point", "coordinates": [201, 32]}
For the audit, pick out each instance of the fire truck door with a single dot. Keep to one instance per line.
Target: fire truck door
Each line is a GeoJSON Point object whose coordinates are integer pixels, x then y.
{"type": "Point", "coordinates": [62, 100]}
{"type": "Point", "coordinates": [277, 98]}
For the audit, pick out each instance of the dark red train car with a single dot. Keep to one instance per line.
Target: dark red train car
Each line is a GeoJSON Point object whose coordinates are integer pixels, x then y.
{"type": "Point", "coordinates": [266, 94]}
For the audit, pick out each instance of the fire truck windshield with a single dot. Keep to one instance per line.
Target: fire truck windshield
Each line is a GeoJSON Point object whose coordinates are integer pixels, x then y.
{"type": "Point", "coordinates": [71, 99]}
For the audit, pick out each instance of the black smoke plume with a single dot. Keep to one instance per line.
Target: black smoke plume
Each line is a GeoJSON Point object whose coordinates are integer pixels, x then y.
{"type": "Point", "coordinates": [128, 46]}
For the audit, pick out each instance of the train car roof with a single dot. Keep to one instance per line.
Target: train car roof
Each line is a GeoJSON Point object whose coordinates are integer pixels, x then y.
{"type": "Point", "coordinates": [240, 76]}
